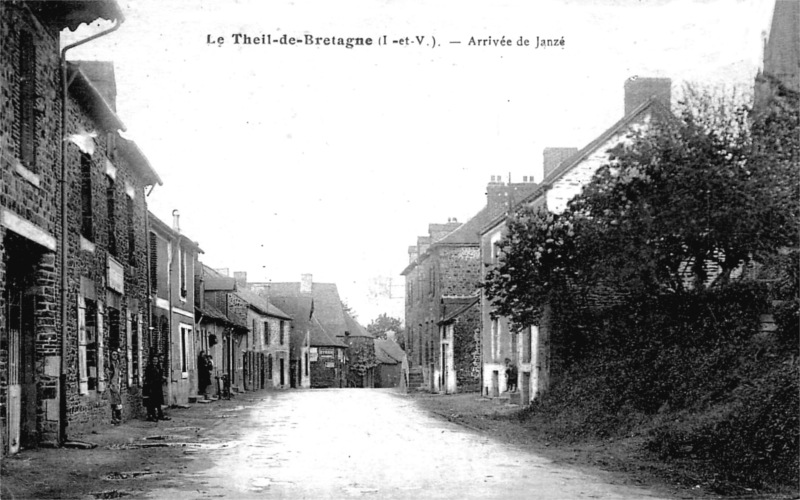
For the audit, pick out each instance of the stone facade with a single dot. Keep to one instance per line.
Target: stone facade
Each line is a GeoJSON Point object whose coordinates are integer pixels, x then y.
{"type": "Point", "coordinates": [53, 382]}
{"type": "Point", "coordinates": [443, 264]}
{"type": "Point", "coordinates": [173, 259]}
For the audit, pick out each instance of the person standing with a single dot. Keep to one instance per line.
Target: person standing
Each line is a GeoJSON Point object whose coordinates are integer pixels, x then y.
{"type": "Point", "coordinates": [115, 389]}
{"type": "Point", "coordinates": [203, 378]}
{"type": "Point", "coordinates": [153, 388]}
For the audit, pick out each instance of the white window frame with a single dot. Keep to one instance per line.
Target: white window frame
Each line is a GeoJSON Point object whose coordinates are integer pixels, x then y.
{"type": "Point", "coordinates": [185, 337]}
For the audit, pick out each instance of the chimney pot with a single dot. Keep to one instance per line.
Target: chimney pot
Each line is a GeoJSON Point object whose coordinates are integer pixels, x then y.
{"type": "Point", "coordinates": [176, 220]}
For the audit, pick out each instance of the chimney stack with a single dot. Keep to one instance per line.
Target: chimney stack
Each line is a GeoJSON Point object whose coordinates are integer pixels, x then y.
{"type": "Point", "coordinates": [496, 197]}
{"type": "Point", "coordinates": [553, 157]}
{"type": "Point", "coordinates": [438, 231]}
{"type": "Point", "coordinates": [240, 277]}
{"type": "Point", "coordinates": [423, 242]}
{"type": "Point", "coordinates": [176, 220]}
{"type": "Point", "coordinates": [306, 282]}
{"type": "Point", "coordinates": [640, 90]}
{"type": "Point", "coordinates": [412, 253]}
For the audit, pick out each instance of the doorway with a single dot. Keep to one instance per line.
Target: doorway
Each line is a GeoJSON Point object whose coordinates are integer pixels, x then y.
{"type": "Point", "coordinates": [21, 260]}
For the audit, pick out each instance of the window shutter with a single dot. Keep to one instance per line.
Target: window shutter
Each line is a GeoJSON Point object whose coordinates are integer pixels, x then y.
{"type": "Point", "coordinates": [83, 373]}
{"type": "Point", "coordinates": [101, 369]}
{"type": "Point", "coordinates": [140, 373]}
{"type": "Point", "coordinates": [153, 263]}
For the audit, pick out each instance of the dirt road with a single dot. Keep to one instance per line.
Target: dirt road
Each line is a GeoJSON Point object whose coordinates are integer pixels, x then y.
{"type": "Point", "coordinates": [300, 444]}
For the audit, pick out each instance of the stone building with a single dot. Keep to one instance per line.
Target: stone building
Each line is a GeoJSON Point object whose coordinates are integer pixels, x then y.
{"type": "Point", "coordinates": [173, 258]}
{"type": "Point", "coordinates": [217, 290]}
{"type": "Point", "coordinates": [390, 358]}
{"type": "Point", "coordinates": [566, 172]}
{"type": "Point", "coordinates": [317, 351]}
{"type": "Point", "coordinates": [361, 360]}
{"type": "Point", "coordinates": [444, 265]}
{"type": "Point", "coordinates": [72, 216]}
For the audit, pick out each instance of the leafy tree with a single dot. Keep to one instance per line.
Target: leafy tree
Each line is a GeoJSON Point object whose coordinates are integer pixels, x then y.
{"type": "Point", "coordinates": [380, 326]}
{"type": "Point", "coordinates": [713, 186]}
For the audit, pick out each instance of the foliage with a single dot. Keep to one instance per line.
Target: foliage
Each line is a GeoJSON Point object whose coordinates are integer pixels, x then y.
{"type": "Point", "coordinates": [349, 310]}
{"type": "Point", "coordinates": [385, 323]}
{"type": "Point", "coordinates": [711, 187]}
{"type": "Point", "coordinates": [361, 357]}
{"type": "Point", "coordinates": [673, 352]}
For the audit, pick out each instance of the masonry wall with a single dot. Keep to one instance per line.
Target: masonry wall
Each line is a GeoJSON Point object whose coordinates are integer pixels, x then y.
{"type": "Point", "coordinates": [90, 257]}
{"type": "Point", "coordinates": [467, 350]}
{"type": "Point", "coordinates": [30, 193]}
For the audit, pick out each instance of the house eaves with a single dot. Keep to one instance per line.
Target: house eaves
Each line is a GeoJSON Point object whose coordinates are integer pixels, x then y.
{"type": "Point", "coordinates": [139, 161]}
{"type": "Point", "coordinates": [463, 305]}
{"type": "Point", "coordinates": [72, 13]}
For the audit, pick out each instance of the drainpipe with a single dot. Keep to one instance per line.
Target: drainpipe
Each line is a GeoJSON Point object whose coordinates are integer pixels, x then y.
{"type": "Point", "coordinates": [65, 223]}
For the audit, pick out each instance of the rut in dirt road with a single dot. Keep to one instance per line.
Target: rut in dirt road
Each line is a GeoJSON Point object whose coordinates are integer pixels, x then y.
{"type": "Point", "coordinates": [341, 443]}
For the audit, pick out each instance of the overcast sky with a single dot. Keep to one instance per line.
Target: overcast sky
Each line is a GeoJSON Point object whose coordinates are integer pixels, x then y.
{"type": "Point", "coordinates": [321, 159]}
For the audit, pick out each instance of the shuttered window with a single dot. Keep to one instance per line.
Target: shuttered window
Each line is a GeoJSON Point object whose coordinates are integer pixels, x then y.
{"type": "Point", "coordinates": [87, 225]}
{"type": "Point", "coordinates": [83, 367]}
{"type": "Point", "coordinates": [27, 101]}
{"type": "Point", "coordinates": [153, 263]}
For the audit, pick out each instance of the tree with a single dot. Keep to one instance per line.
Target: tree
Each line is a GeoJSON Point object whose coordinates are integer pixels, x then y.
{"type": "Point", "coordinates": [694, 196]}
{"type": "Point", "coordinates": [380, 326]}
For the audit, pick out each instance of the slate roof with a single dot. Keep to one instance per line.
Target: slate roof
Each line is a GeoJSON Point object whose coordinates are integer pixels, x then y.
{"type": "Point", "coordinates": [355, 329]}
{"type": "Point", "coordinates": [210, 312]}
{"type": "Point", "coordinates": [325, 298]}
{"type": "Point", "coordinates": [453, 307]}
{"type": "Point", "coordinates": [260, 304]}
{"type": "Point", "coordinates": [388, 352]}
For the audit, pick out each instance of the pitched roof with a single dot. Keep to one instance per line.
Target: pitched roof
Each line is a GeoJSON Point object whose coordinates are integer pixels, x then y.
{"type": "Point", "coordinates": [354, 328]}
{"type": "Point", "coordinates": [454, 307]}
{"type": "Point", "coordinates": [320, 338]}
{"type": "Point", "coordinates": [210, 312]}
{"type": "Point", "coordinates": [327, 305]}
{"type": "Point", "coordinates": [388, 352]}
{"type": "Point", "coordinates": [92, 99]}
{"type": "Point", "coordinates": [260, 304]}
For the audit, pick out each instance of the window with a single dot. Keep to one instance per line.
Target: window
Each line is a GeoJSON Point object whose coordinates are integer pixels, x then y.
{"type": "Point", "coordinates": [27, 101]}
{"type": "Point", "coordinates": [136, 346]}
{"type": "Point", "coordinates": [266, 333]}
{"type": "Point", "coordinates": [495, 337]}
{"type": "Point", "coordinates": [306, 355]}
{"type": "Point", "coordinates": [111, 209]}
{"type": "Point", "coordinates": [182, 264]}
{"type": "Point", "coordinates": [269, 365]}
{"type": "Point", "coordinates": [90, 346]}
{"type": "Point", "coordinates": [87, 224]}
{"type": "Point", "coordinates": [186, 335]}
{"type": "Point", "coordinates": [131, 232]}
{"type": "Point", "coordinates": [113, 329]}
{"type": "Point", "coordinates": [281, 332]}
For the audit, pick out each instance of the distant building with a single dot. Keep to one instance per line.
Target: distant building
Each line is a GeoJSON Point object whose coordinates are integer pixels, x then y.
{"type": "Point", "coordinates": [361, 360]}
{"type": "Point", "coordinates": [317, 351]}
{"type": "Point", "coordinates": [390, 358]}
{"type": "Point", "coordinates": [173, 260]}
{"type": "Point", "coordinates": [444, 264]}
{"type": "Point", "coordinates": [781, 60]}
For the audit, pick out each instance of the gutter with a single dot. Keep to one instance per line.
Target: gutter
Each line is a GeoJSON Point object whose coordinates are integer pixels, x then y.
{"type": "Point", "coordinates": [65, 225]}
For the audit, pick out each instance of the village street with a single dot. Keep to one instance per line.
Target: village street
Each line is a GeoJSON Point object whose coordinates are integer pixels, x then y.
{"type": "Point", "coordinates": [299, 444]}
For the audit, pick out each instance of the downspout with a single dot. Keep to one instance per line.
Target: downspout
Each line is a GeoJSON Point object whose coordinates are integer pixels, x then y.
{"type": "Point", "coordinates": [65, 223]}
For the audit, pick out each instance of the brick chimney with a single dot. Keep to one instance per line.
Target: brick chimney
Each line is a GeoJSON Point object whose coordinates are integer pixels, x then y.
{"type": "Point", "coordinates": [306, 282]}
{"type": "Point", "coordinates": [240, 277]}
{"type": "Point", "coordinates": [423, 242]}
{"type": "Point", "coordinates": [412, 253]}
{"type": "Point", "coordinates": [639, 90]}
{"type": "Point", "coordinates": [496, 197]}
{"type": "Point", "coordinates": [552, 158]}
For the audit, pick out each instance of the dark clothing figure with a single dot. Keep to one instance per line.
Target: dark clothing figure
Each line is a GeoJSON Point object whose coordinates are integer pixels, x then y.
{"type": "Point", "coordinates": [153, 389]}
{"type": "Point", "coordinates": [115, 390]}
{"type": "Point", "coordinates": [511, 378]}
{"type": "Point", "coordinates": [203, 373]}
